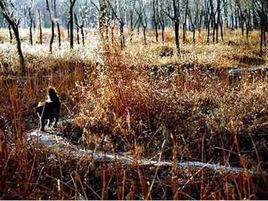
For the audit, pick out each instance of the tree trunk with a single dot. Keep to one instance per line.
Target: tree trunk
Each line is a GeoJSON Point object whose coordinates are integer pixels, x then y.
{"type": "Point", "coordinates": [235, 19]}
{"type": "Point", "coordinates": [264, 38]}
{"type": "Point", "coordinates": [218, 20]}
{"type": "Point", "coordinates": [217, 32]}
{"type": "Point", "coordinates": [263, 30]}
{"type": "Point", "coordinates": [71, 27]}
{"type": "Point", "coordinates": [208, 31]}
{"type": "Point", "coordinates": [31, 34]}
{"type": "Point", "coordinates": [112, 34]}
{"type": "Point", "coordinates": [212, 20]}
{"type": "Point", "coordinates": [15, 27]}
{"type": "Point", "coordinates": [247, 34]}
{"type": "Point", "coordinates": [214, 28]}
{"type": "Point", "coordinates": [263, 25]}
{"type": "Point", "coordinates": [163, 34]}
{"type": "Point", "coordinates": [19, 50]}
{"type": "Point", "coordinates": [40, 28]}
{"type": "Point", "coordinates": [52, 27]}
{"type": "Point", "coordinates": [184, 33]}
{"type": "Point", "coordinates": [122, 37]}
{"type": "Point", "coordinates": [156, 32]}
{"type": "Point", "coordinates": [10, 34]}
{"type": "Point", "coordinates": [194, 40]}
{"type": "Point", "coordinates": [193, 34]}
{"type": "Point", "coordinates": [221, 28]}
{"type": "Point", "coordinates": [59, 34]}
{"type": "Point", "coordinates": [242, 27]}
{"type": "Point", "coordinates": [177, 42]}
{"type": "Point", "coordinates": [185, 21]}
{"type": "Point", "coordinates": [176, 24]}
{"type": "Point", "coordinates": [31, 27]}
{"type": "Point", "coordinates": [83, 35]}
{"type": "Point", "coordinates": [34, 26]}
{"type": "Point", "coordinates": [55, 7]}
{"type": "Point", "coordinates": [77, 29]}
{"type": "Point", "coordinates": [68, 30]}
{"type": "Point", "coordinates": [77, 35]}
{"type": "Point", "coordinates": [208, 27]}
{"type": "Point", "coordinates": [144, 35]}
{"type": "Point", "coordinates": [248, 24]}
{"type": "Point", "coordinates": [102, 16]}
{"type": "Point", "coordinates": [131, 25]}
{"type": "Point", "coordinates": [232, 21]}
{"type": "Point", "coordinates": [155, 3]}
{"type": "Point", "coordinates": [52, 36]}
{"type": "Point", "coordinates": [261, 41]}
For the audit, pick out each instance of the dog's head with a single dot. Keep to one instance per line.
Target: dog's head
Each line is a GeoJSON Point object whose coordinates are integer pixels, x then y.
{"type": "Point", "coordinates": [52, 94]}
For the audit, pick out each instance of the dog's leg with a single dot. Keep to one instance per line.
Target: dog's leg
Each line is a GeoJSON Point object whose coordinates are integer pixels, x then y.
{"type": "Point", "coordinates": [50, 122]}
{"type": "Point", "coordinates": [42, 124]}
{"type": "Point", "coordinates": [56, 120]}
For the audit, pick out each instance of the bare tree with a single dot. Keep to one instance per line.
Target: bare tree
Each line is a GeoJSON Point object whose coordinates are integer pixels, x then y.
{"type": "Point", "coordinates": [83, 17]}
{"type": "Point", "coordinates": [102, 14]}
{"type": "Point", "coordinates": [77, 29]}
{"type": "Point", "coordinates": [71, 24]}
{"type": "Point", "coordinates": [156, 18]}
{"type": "Point", "coordinates": [212, 19]}
{"type": "Point", "coordinates": [218, 23]}
{"type": "Point", "coordinates": [40, 27]}
{"type": "Point", "coordinates": [186, 12]}
{"type": "Point", "coordinates": [118, 11]}
{"type": "Point", "coordinates": [59, 33]}
{"type": "Point", "coordinates": [56, 19]}
{"type": "Point", "coordinates": [176, 21]}
{"type": "Point", "coordinates": [8, 14]}
{"type": "Point", "coordinates": [190, 15]}
{"type": "Point", "coordinates": [131, 16]}
{"type": "Point", "coordinates": [244, 16]}
{"type": "Point", "coordinates": [142, 17]}
{"type": "Point", "coordinates": [10, 33]}
{"type": "Point", "coordinates": [193, 20]}
{"type": "Point", "coordinates": [52, 26]}
{"type": "Point", "coordinates": [261, 7]}
{"type": "Point", "coordinates": [30, 14]}
{"type": "Point", "coordinates": [207, 18]}
{"type": "Point", "coordinates": [80, 18]}
{"type": "Point", "coordinates": [162, 20]}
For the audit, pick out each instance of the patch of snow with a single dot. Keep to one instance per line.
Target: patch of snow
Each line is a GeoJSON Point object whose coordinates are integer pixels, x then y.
{"type": "Point", "coordinates": [57, 142]}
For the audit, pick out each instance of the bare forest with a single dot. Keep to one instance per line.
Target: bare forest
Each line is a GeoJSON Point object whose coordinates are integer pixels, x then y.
{"type": "Point", "coordinates": [133, 99]}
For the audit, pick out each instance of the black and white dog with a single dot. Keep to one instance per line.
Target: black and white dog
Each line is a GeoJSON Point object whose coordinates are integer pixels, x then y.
{"type": "Point", "coordinates": [49, 109]}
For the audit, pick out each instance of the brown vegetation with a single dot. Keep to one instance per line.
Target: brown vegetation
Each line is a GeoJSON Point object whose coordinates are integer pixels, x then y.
{"type": "Point", "coordinates": [117, 106]}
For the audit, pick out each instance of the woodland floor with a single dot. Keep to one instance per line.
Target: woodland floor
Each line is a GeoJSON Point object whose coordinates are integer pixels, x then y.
{"type": "Point", "coordinates": [138, 123]}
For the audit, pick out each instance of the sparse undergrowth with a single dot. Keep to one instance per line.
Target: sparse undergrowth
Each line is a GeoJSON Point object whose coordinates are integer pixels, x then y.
{"type": "Point", "coordinates": [200, 117]}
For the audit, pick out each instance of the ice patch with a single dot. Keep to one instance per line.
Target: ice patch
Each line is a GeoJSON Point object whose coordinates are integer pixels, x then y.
{"type": "Point", "coordinates": [54, 141]}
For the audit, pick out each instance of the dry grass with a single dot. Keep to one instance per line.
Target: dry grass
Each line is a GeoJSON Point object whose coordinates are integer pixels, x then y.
{"type": "Point", "coordinates": [234, 51]}
{"type": "Point", "coordinates": [200, 117]}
